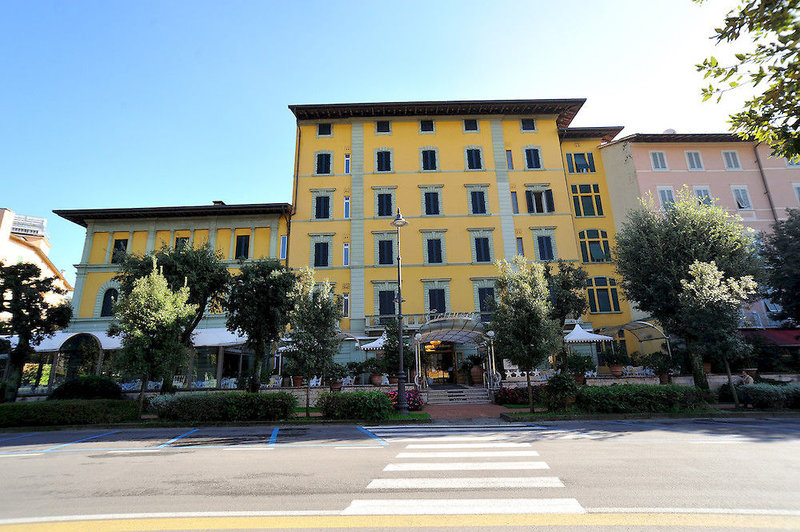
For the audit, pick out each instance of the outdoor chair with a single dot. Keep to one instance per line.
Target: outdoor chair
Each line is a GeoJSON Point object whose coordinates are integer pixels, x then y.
{"type": "Point", "coordinates": [384, 379]}
{"type": "Point", "coordinates": [348, 381]}
{"type": "Point", "coordinates": [315, 381]}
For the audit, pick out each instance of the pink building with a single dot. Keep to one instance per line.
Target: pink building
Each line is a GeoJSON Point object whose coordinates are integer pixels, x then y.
{"type": "Point", "coordinates": [740, 175]}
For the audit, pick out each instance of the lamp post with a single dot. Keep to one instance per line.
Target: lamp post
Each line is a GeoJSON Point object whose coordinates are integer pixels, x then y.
{"type": "Point", "coordinates": [402, 402]}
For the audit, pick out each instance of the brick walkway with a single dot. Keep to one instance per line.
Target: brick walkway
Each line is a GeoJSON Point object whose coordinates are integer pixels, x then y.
{"type": "Point", "coordinates": [464, 411]}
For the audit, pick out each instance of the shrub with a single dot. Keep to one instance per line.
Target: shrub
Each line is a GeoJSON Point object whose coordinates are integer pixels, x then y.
{"type": "Point", "coordinates": [88, 387]}
{"type": "Point", "coordinates": [199, 407]}
{"type": "Point", "coordinates": [370, 406]}
{"type": "Point", "coordinates": [631, 398]}
{"type": "Point", "coordinates": [792, 395]}
{"type": "Point", "coordinates": [518, 396]}
{"type": "Point", "coordinates": [725, 395]}
{"type": "Point", "coordinates": [579, 364]}
{"type": "Point", "coordinates": [413, 398]}
{"type": "Point", "coordinates": [559, 390]}
{"type": "Point", "coordinates": [67, 412]}
{"type": "Point", "coordinates": [767, 396]}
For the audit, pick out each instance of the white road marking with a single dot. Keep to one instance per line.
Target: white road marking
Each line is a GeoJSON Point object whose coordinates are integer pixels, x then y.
{"type": "Point", "coordinates": [360, 447]}
{"type": "Point", "coordinates": [466, 445]}
{"type": "Point", "coordinates": [447, 438]}
{"type": "Point", "coordinates": [464, 466]}
{"type": "Point", "coordinates": [463, 506]}
{"type": "Point", "coordinates": [467, 454]}
{"type": "Point", "coordinates": [126, 451]}
{"type": "Point", "coordinates": [247, 448]}
{"type": "Point", "coordinates": [726, 511]}
{"type": "Point", "coordinates": [715, 441]}
{"type": "Point", "coordinates": [20, 454]}
{"type": "Point", "coordinates": [163, 515]}
{"type": "Point", "coordinates": [464, 483]}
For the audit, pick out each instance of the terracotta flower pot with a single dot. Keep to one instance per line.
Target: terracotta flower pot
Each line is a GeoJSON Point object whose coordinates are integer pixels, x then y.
{"type": "Point", "coordinates": [336, 386]}
{"type": "Point", "coordinates": [393, 379]}
{"type": "Point", "coordinates": [580, 379]}
{"type": "Point", "coordinates": [707, 367]}
{"type": "Point", "coordinates": [476, 375]}
{"type": "Point", "coordinates": [375, 379]}
{"type": "Point", "coordinates": [297, 381]}
{"type": "Point", "coordinates": [663, 378]}
{"type": "Point", "coordinates": [616, 369]}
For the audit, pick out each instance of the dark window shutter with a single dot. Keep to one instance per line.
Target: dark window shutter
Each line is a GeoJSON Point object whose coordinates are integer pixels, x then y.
{"type": "Point", "coordinates": [386, 302]}
{"type": "Point", "coordinates": [529, 200]}
{"type": "Point", "coordinates": [570, 166]}
{"type": "Point", "coordinates": [548, 197]}
{"type": "Point", "coordinates": [590, 158]}
{"type": "Point", "coordinates": [434, 250]}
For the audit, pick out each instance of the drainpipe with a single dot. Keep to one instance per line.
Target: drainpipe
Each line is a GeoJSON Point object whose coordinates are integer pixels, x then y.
{"type": "Point", "coordinates": [764, 181]}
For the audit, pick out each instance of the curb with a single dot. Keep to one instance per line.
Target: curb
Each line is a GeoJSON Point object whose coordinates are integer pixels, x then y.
{"type": "Point", "coordinates": [649, 415]}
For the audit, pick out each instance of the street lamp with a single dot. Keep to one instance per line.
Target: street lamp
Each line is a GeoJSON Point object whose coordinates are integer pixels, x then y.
{"type": "Point", "coordinates": [402, 402]}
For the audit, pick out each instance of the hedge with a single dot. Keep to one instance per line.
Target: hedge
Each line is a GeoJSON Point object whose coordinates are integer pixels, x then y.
{"type": "Point", "coordinates": [632, 398]}
{"type": "Point", "coordinates": [88, 387]}
{"type": "Point", "coordinates": [518, 396]}
{"type": "Point", "coordinates": [413, 399]}
{"type": "Point", "coordinates": [769, 396]}
{"type": "Point", "coordinates": [67, 412]}
{"type": "Point", "coordinates": [369, 406]}
{"type": "Point", "coordinates": [200, 407]}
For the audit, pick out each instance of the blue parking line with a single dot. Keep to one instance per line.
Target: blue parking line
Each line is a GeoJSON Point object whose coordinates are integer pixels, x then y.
{"type": "Point", "coordinates": [371, 435]}
{"type": "Point", "coordinates": [273, 437]}
{"type": "Point", "coordinates": [18, 437]}
{"type": "Point", "coordinates": [78, 441]}
{"type": "Point", "coordinates": [173, 440]}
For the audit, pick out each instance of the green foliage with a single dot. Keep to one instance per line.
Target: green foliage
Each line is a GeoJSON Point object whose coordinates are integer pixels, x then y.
{"type": "Point", "coordinates": [772, 62]}
{"type": "Point", "coordinates": [781, 252]}
{"type": "Point", "coordinates": [770, 396]}
{"type": "Point", "coordinates": [69, 412]}
{"type": "Point", "coordinates": [632, 398]}
{"type": "Point", "coordinates": [335, 372]}
{"type": "Point", "coordinates": [518, 396]}
{"type": "Point", "coordinates": [354, 367]}
{"type": "Point", "coordinates": [88, 387]}
{"type": "Point", "coordinates": [372, 365]}
{"type": "Point", "coordinates": [659, 362]}
{"type": "Point", "coordinates": [258, 305]}
{"type": "Point", "coordinates": [567, 290]}
{"type": "Point", "coordinates": [368, 406]}
{"type": "Point", "coordinates": [616, 356]}
{"type": "Point", "coordinates": [30, 318]}
{"type": "Point", "coordinates": [205, 407]}
{"type": "Point", "coordinates": [391, 355]}
{"type": "Point", "coordinates": [579, 364]}
{"type": "Point", "coordinates": [559, 390]}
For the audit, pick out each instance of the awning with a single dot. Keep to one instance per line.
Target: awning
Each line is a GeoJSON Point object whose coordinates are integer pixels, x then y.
{"type": "Point", "coordinates": [218, 336]}
{"type": "Point", "coordinates": [455, 329]}
{"type": "Point", "coordinates": [376, 345]}
{"type": "Point", "coordinates": [781, 337]}
{"type": "Point", "coordinates": [579, 335]}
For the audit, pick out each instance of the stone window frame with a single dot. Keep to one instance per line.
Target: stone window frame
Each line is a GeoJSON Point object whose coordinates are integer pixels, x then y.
{"type": "Point", "coordinates": [464, 125]}
{"type": "Point", "coordinates": [735, 159]}
{"type": "Point", "coordinates": [432, 132]}
{"type": "Point", "coordinates": [544, 231]}
{"type": "Point", "coordinates": [442, 283]}
{"type": "Point", "coordinates": [384, 235]}
{"type": "Point", "coordinates": [431, 188]}
{"type": "Point", "coordinates": [481, 232]}
{"type": "Point", "coordinates": [388, 189]}
{"type": "Point", "coordinates": [482, 282]}
{"type": "Point", "coordinates": [321, 237]}
{"type": "Point", "coordinates": [391, 160]}
{"type": "Point", "coordinates": [466, 159]}
{"type": "Point", "coordinates": [383, 132]}
{"type": "Point", "coordinates": [484, 187]}
{"type": "Point", "coordinates": [324, 136]}
{"type": "Point", "coordinates": [436, 151]}
{"type": "Point", "coordinates": [101, 292]}
{"type": "Point", "coordinates": [543, 188]}
{"type": "Point", "coordinates": [316, 162]}
{"type": "Point", "coordinates": [689, 160]}
{"type": "Point", "coordinates": [321, 192]}
{"type": "Point", "coordinates": [433, 234]}
{"type": "Point", "coordinates": [379, 286]}
{"type": "Point", "coordinates": [523, 130]}
{"type": "Point", "coordinates": [525, 157]}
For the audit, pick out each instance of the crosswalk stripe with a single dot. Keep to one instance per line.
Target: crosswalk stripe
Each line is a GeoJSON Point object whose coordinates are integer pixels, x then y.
{"type": "Point", "coordinates": [448, 439]}
{"type": "Point", "coordinates": [465, 445]}
{"type": "Point", "coordinates": [464, 483]}
{"type": "Point", "coordinates": [462, 506]}
{"type": "Point", "coordinates": [467, 454]}
{"type": "Point", "coordinates": [379, 432]}
{"type": "Point", "coordinates": [465, 466]}
{"type": "Point", "coordinates": [451, 427]}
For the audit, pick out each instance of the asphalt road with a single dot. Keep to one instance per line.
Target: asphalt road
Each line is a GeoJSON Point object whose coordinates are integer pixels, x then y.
{"type": "Point", "coordinates": [658, 474]}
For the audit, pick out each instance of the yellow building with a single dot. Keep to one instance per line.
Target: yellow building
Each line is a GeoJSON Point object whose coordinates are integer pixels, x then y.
{"type": "Point", "coordinates": [477, 181]}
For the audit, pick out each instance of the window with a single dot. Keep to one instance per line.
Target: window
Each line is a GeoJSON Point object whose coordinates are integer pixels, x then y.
{"type": "Point", "coordinates": [693, 160]}
{"type": "Point", "coordinates": [383, 161]}
{"type": "Point", "coordinates": [428, 160]}
{"type": "Point", "coordinates": [509, 160]}
{"type": "Point", "coordinates": [579, 163]}
{"type": "Point", "coordinates": [474, 159]}
{"type": "Point", "coordinates": [346, 254]}
{"type": "Point", "coordinates": [514, 203]}
{"type": "Point", "coordinates": [586, 200]}
{"type": "Point", "coordinates": [434, 249]}
{"type": "Point", "coordinates": [284, 244]}
{"type": "Point", "coordinates": [659, 160]}
{"type": "Point", "coordinates": [703, 195]}
{"type": "Point", "coordinates": [602, 293]}
{"type": "Point", "coordinates": [742, 197]}
{"type": "Point", "coordinates": [323, 163]}
{"type": "Point", "coordinates": [431, 203]}
{"type": "Point", "coordinates": [346, 163]}
{"type": "Point", "coordinates": [386, 302]}
{"type": "Point", "coordinates": [433, 246]}
{"type": "Point", "coordinates": [181, 241]}
{"type": "Point", "coordinates": [486, 303]}
{"type": "Point", "coordinates": [346, 305]}
{"type": "Point", "coordinates": [321, 251]}
{"type": "Point", "coordinates": [322, 207]}
{"type": "Point", "coordinates": [482, 249]}
{"type": "Point", "coordinates": [109, 298]}
{"type": "Point", "coordinates": [119, 250]}
{"type": "Point", "coordinates": [520, 247]}
{"type": "Point", "coordinates": [384, 204]}
{"type": "Point", "coordinates": [797, 192]}
{"type": "Point", "coordinates": [666, 196]}
{"type": "Point", "coordinates": [477, 200]}
{"type": "Point", "coordinates": [544, 243]}
{"type": "Point", "coordinates": [347, 207]}
{"type": "Point", "coordinates": [731, 160]}
{"type": "Point", "coordinates": [539, 201]}
{"type": "Point", "coordinates": [528, 124]}
{"type": "Point", "coordinates": [383, 126]}
{"type": "Point", "coordinates": [470, 124]}
{"type": "Point", "coordinates": [324, 130]}
{"type": "Point", "coordinates": [533, 159]}
{"type": "Point", "coordinates": [242, 247]}
{"type": "Point", "coordinates": [426, 126]}
{"type": "Point", "coordinates": [436, 301]}
{"type": "Point", "coordinates": [385, 252]}
{"type": "Point", "coordinates": [594, 245]}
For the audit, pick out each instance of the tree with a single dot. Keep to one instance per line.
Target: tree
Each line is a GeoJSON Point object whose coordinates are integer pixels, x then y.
{"type": "Point", "coordinates": [656, 248]}
{"type": "Point", "coordinates": [526, 333]}
{"type": "Point", "coordinates": [391, 360]}
{"type": "Point", "coordinates": [714, 303]}
{"type": "Point", "coordinates": [567, 287]}
{"type": "Point", "coordinates": [200, 268]}
{"type": "Point", "coordinates": [781, 252]}
{"type": "Point", "coordinates": [29, 316]}
{"type": "Point", "coordinates": [258, 306]}
{"type": "Point", "coordinates": [150, 319]}
{"type": "Point", "coordinates": [773, 59]}
{"type": "Point", "coordinates": [315, 337]}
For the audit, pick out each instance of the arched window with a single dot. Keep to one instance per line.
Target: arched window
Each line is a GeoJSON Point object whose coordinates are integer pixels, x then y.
{"type": "Point", "coordinates": [109, 298]}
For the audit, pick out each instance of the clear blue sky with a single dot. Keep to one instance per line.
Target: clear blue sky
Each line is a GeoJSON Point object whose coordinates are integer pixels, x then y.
{"type": "Point", "coordinates": [144, 103]}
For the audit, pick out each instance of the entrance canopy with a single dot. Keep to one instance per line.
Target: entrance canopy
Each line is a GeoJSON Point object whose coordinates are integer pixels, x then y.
{"type": "Point", "coordinates": [454, 328]}
{"type": "Point", "coordinates": [643, 331]}
{"type": "Point", "coordinates": [579, 335]}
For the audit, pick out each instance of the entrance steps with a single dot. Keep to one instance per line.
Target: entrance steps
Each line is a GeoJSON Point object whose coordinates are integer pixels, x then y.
{"type": "Point", "coordinates": [468, 396]}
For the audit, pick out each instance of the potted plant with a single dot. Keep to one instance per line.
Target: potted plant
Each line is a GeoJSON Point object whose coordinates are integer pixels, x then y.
{"type": "Point", "coordinates": [475, 369]}
{"type": "Point", "coordinates": [374, 367]}
{"type": "Point", "coordinates": [334, 374]}
{"type": "Point", "coordinates": [578, 365]}
{"type": "Point", "coordinates": [290, 367]}
{"type": "Point", "coordinates": [661, 364]}
{"type": "Point", "coordinates": [355, 369]}
{"type": "Point", "coordinates": [615, 359]}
